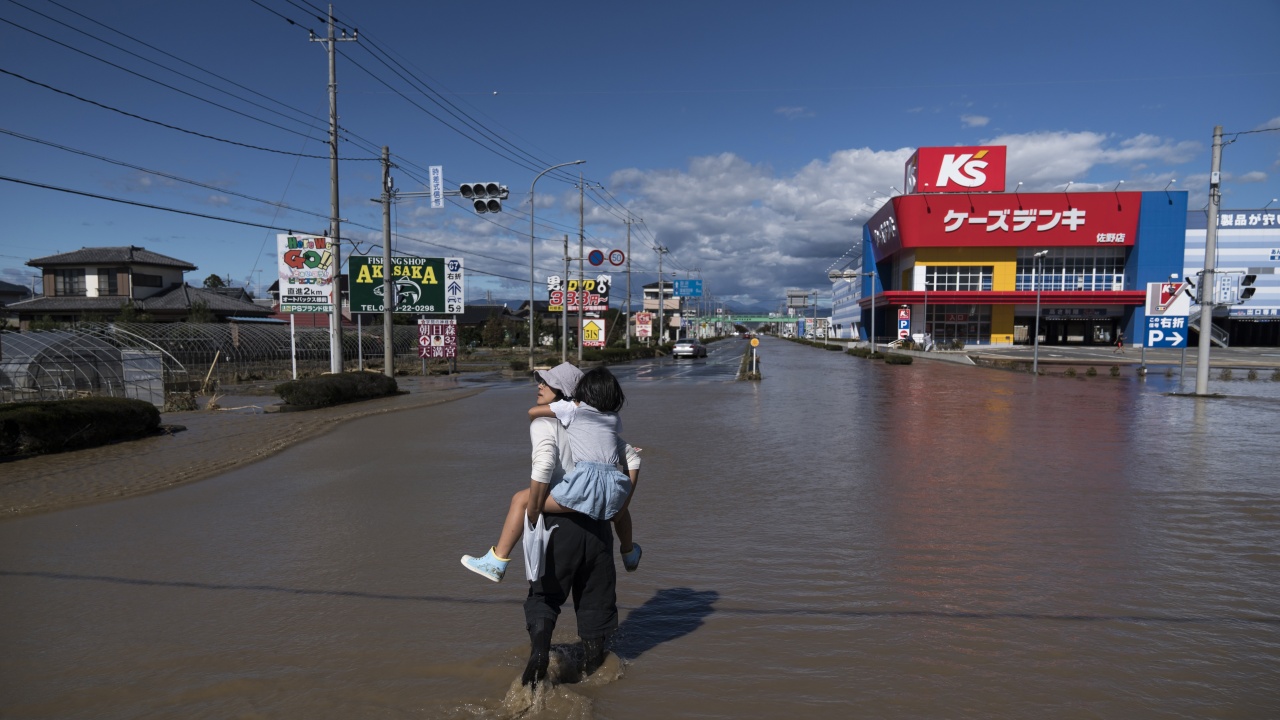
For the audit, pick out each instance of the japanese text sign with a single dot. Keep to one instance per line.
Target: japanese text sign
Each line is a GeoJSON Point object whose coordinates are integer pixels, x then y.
{"type": "Point", "coordinates": [421, 285]}
{"type": "Point", "coordinates": [306, 271]}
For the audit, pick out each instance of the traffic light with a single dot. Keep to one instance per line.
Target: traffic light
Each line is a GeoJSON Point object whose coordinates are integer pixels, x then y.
{"type": "Point", "coordinates": [1246, 287]}
{"type": "Point", "coordinates": [485, 197]}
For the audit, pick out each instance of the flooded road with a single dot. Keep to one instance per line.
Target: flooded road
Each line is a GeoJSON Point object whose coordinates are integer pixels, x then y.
{"type": "Point", "coordinates": [842, 539]}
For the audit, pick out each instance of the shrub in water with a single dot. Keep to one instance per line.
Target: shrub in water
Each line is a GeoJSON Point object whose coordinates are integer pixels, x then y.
{"type": "Point", "coordinates": [1253, 374]}
{"type": "Point", "coordinates": [336, 389]}
{"type": "Point", "coordinates": [1091, 372]}
{"type": "Point", "coordinates": [1227, 374]}
{"type": "Point", "coordinates": [48, 427]}
{"type": "Point", "coordinates": [1071, 372]}
{"type": "Point", "coordinates": [896, 359]}
{"type": "Point", "coordinates": [1115, 371]}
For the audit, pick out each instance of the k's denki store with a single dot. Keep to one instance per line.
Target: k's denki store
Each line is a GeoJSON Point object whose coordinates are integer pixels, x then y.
{"type": "Point", "coordinates": [967, 259]}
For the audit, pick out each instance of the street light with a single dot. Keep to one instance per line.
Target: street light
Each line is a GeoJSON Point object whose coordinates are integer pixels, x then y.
{"type": "Point", "coordinates": [925, 337]}
{"type": "Point", "coordinates": [531, 241]}
{"type": "Point", "coordinates": [1035, 354]}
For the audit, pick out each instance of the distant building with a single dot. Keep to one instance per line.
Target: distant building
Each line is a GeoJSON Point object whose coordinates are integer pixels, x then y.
{"type": "Point", "coordinates": [96, 283]}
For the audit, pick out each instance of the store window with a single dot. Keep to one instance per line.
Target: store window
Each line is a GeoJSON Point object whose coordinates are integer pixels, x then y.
{"type": "Point", "coordinates": [1089, 269]}
{"type": "Point", "coordinates": [958, 277]}
{"type": "Point", "coordinates": [68, 282]}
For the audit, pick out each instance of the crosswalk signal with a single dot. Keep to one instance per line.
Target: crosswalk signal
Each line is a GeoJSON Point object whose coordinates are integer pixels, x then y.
{"type": "Point", "coordinates": [1246, 287]}
{"type": "Point", "coordinates": [485, 197]}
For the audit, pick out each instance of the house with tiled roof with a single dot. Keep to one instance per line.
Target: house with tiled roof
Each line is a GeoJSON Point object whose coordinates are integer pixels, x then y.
{"type": "Point", "coordinates": [96, 283]}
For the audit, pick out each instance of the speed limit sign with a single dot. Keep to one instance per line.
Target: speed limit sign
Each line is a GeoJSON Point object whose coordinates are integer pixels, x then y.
{"type": "Point", "coordinates": [617, 257]}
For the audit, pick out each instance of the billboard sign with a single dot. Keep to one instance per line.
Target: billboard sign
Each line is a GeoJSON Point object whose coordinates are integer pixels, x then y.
{"type": "Point", "coordinates": [1107, 219]}
{"type": "Point", "coordinates": [438, 338]}
{"type": "Point", "coordinates": [306, 270]}
{"type": "Point", "coordinates": [421, 285]}
{"type": "Point", "coordinates": [595, 293]}
{"type": "Point", "coordinates": [956, 170]}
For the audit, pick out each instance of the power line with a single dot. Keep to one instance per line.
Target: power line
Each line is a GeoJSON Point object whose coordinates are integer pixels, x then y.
{"type": "Point", "coordinates": [172, 127]}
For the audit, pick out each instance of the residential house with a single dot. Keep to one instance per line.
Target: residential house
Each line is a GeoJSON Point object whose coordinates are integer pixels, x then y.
{"type": "Point", "coordinates": [95, 283]}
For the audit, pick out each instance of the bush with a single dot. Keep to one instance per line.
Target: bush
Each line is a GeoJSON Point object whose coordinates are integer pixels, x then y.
{"type": "Point", "coordinates": [1115, 371]}
{"type": "Point", "coordinates": [1071, 372]}
{"type": "Point", "coordinates": [1227, 374]}
{"type": "Point", "coordinates": [896, 359]}
{"type": "Point", "coordinates": [1091, 372]}
{"type": "Point", "coordinates": [519, 365]}
{"type": "Point", "coordinates": [1253, 374]}
{"type": "Point", "coordinates": [49, 427]}
{"type": "Point", "coordinates": [329, 390]}
{"type": "Point", "coordinates": [863, 352]}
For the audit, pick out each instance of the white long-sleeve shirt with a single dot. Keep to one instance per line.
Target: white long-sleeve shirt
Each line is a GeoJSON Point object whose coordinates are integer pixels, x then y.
{"type": "Point", "coordinates": [552, 455]}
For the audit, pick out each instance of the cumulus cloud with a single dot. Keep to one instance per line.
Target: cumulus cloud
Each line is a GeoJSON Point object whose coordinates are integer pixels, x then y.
{"type": "Point", "coordinates": [974, 120]}
{"type": "Point", "coordinates": [1257, 176]}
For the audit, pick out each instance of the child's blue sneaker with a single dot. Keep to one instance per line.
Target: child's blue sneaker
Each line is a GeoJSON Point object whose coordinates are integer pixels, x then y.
{"type": "Point", "coordinates": [490, 566]}
{"type": "Point", "coordinates": [631, 560]}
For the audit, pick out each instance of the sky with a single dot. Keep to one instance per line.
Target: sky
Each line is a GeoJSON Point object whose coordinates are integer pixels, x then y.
{"type": "Point", "coordinates": [749, 139]}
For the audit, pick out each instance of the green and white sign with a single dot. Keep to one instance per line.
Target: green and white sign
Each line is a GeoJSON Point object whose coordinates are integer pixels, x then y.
{"type": "Point", "coordinates": [422, 285]}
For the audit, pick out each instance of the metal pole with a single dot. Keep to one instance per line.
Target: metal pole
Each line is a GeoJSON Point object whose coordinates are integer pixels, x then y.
{"type": "Point", "coordinates": [388, 293]}
{"type": "Point", "coordinates": [532, 185]}
{"type": "Point", "coordinates": [1037, 259]}
{"type": "Point", "coordinates": [1207, 284]}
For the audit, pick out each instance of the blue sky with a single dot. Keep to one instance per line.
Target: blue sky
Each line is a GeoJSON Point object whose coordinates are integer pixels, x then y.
{"type": "Point", "coordinates": [752, 139]}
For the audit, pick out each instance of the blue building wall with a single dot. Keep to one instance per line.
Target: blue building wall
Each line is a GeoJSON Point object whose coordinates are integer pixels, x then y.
{"type": "Point", "coordinates": [1158, 253]}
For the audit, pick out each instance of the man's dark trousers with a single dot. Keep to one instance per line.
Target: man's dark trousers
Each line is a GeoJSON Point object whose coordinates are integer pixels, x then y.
{"type": "Point", "coordinates": [579, 564]}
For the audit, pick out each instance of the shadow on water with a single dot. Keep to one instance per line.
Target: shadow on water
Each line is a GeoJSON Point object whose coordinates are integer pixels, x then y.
{"type": "Point", "coordinates": [669, 614]}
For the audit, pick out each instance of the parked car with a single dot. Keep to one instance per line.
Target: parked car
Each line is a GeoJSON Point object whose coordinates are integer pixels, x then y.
{"type": "Point", "coordinates": [689, 347]}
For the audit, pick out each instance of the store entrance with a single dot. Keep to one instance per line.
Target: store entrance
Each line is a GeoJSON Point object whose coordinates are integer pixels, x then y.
{"type": "Point", "coordinates": [1074, 331]}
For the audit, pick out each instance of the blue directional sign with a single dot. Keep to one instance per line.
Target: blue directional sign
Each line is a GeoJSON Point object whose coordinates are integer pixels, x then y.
{"type": "Point", "coordinates": [688, 288]}
{"type": "Point", "coordinates": [1164, 331]}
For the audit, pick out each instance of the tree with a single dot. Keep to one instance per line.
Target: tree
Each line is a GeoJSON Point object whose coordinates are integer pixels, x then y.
{"type": "Point", "coordinates": [494, 331]}
{"type": "Point", "coordinates": [200, 313]}
{"type": "Point", "coordinates": [131, 313]}
{"type": "Point", "coordinates": [213, 281]}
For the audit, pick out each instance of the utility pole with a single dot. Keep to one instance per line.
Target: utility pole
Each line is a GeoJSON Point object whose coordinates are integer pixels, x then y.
{"type": "Point", "coordinates": [581, 275]}
{"type": "Point", "coordinates": [335, 233]}
{"type": "Point", "coordinates": [662, 297]}
{"type": "Point", "coordinates": [628, 282]}
{"type": "Point", "coordinates": [1207, 280]}
{"type": "Point", "coordinates": [564, 306]}
{"type": "Point", "coordinates": [388, 291]}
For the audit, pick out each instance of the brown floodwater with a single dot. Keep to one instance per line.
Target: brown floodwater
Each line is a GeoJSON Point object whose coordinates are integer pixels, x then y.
{"type": "Point", "coordinates": [842, 539]}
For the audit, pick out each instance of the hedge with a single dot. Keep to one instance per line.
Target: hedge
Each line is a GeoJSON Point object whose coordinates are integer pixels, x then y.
{"type": "Point", "coordinates": [327, 390]}
{"type": "Point", "coordinates": [34, 428]}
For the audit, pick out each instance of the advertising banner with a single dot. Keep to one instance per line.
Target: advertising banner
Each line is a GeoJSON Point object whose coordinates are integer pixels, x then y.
{"type": "Point", "coordinates": [438, 338]}
{"type": "Point", "coordinates": [644, 324]}
{"type": "Point", "coordinates": [422, 285]}
{"type": "Point", "coordinates": [956, 170]}
{"type": "Point", "coordinates": [1105, 219]}
{"type": "Point", "coordinates": [594, 293]}
{"type": "Point", "coordinates": [593, 334]}
{"type": "Point", "coordinates": [306, 270]}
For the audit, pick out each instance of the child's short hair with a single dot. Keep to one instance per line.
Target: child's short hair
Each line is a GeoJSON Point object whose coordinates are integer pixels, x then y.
{"type": "Point", "coordinates": [600, 389]}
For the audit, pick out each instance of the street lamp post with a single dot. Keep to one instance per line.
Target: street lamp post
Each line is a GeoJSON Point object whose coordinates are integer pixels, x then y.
{"type": "Point", "coordinates": [531, 243]}
{"type": "Point", "coordinates": [1038, 258]}
{"type": "Point", "coordinates": [925, 336]}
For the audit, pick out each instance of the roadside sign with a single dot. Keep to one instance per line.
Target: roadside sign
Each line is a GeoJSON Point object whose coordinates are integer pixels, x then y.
{"type": "Point", "coordinates": [422, 285]}
{"type": "Point", "coordinates": [437, 186]}
{"type": "Point", "coordinates": [1166, 332]}
{"type": "Point", "coordinates": [593, 334]}
{"type": "Point", "coordinates": [904, 314]}
{"type": "Point", "coordinates": [438, 338]}
{"type": "Point", "coordinates": [755, 342]}
{"type": "Point", "coordinates": [306, 273]}
{"type": "Point", "coordinates": [617, 257]}
{"type": "Point", "coordinates": [594, 294]}
{"type": "Point", "coordinates": [595, 257]}
{"type": "Point", "coordinates": [688, 288]}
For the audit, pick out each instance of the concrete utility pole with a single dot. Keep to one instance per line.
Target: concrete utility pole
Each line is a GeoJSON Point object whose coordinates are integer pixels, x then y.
{"type": "Point", "coordinates": [662, 299]}
{"type": "Point", "coordinates": [1207, 284]}
{"type": "Point", "coordinates": [388, 288]}
{"type": "Point", "coordinates": [335, 233]}
{"type": "Point", "coordinates": [581, 276]}
{"type": "Point", "coordinates": [628, 282]}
